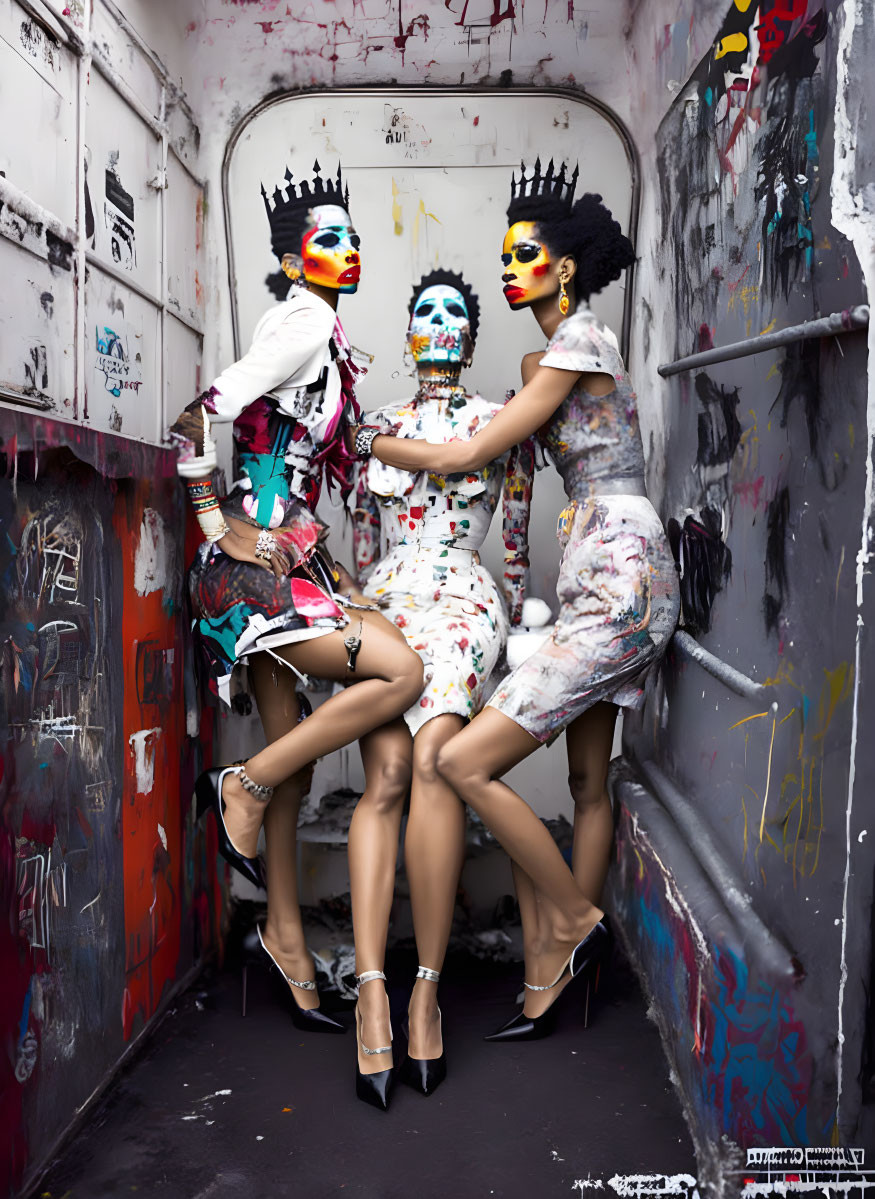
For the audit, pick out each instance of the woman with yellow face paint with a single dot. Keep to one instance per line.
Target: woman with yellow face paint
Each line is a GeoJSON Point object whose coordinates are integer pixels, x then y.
{"type": "Point", "coordinates": [263, 586]}
{"type": "Point", "coordinates": [617, 586]}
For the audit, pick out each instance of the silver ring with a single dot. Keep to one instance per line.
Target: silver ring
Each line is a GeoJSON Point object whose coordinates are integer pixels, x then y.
{"type": "Point", "coordinates": [265, 545]}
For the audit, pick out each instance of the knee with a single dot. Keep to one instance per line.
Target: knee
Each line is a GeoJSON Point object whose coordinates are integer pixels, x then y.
{"type": "Point", "coordinates": [410, 676]}
{"type": "Point", "coordinates": [387, 785]}
{"type": "Point", "coordinates": [587, 790]}
{"type": "Point", "coordinates": [454, 770]}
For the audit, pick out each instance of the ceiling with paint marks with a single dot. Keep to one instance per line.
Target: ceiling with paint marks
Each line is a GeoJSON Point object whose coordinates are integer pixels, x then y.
{"type": "Point", "coordinates": [229, 54]}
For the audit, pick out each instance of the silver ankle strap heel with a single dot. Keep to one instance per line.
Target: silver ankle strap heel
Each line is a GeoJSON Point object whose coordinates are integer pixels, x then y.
{"type": "Point", "coordinates": [370, 976]}
{"type": "Point", "coordinates": [431, 976]}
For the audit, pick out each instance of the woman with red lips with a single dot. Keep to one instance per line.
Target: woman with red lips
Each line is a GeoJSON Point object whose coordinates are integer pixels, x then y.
{"type": "Point", "coordinates": [617, 584]}
{"type": "Point", "coordinates": [262, 585]}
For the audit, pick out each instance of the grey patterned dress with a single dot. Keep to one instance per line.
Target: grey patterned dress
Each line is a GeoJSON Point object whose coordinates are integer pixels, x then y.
{"type": "Point", "coordinates": [618, 586]}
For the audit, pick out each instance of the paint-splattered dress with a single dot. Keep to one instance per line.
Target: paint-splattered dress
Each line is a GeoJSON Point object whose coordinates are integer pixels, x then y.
{"type": "Point", "coordinates": [430, 582]}
{"type": "Point", "coordinates": [617, 587]}
{"type": "Point", "coordinates": [289, 398]}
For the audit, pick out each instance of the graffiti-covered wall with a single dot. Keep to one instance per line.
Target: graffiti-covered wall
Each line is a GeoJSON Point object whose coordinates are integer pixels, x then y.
{"type": "Point", "coordinates": [744, 868]}
{"type": "Point", "coordinates": [112, 892]}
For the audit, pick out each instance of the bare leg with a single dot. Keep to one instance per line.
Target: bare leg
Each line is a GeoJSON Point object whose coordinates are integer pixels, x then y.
{"type": "Point", "coordinates": [388, 679]}
{"type": "Point", "coordinates": [472, 764]}
{"type": "Point", "coordinates": [373, 852]}
{"type": "Point", "coordinates": [588, 742]}
{"type": "Point", "coordinates": [283, 931]}
{"type": "Point", "coordinates": [434, 847]}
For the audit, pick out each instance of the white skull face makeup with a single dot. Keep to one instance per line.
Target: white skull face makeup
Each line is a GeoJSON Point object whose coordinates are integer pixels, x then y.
{"type": "Point", "coordinates": [439, 328]}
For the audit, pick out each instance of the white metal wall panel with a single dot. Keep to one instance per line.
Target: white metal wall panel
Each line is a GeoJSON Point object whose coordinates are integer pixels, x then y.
{"type": "Point", "coordinates": [185, 229]}
{"type": "Point", "coordinates": [37, 329]}
{"type": "Point", "coordinates": [122, 359]}
{"type": "Point", "coordinates": [124, 161]}
{"type": "Point", "coordinates": [38, 79]}
{"type": "Point", "coordinates": [182, 359]}
{"type": "Point", "coordinates": [128, 61]}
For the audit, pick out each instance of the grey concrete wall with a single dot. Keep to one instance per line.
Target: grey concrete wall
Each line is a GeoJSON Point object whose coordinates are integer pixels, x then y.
{"type": "Point", "coordinates": [746, 870]}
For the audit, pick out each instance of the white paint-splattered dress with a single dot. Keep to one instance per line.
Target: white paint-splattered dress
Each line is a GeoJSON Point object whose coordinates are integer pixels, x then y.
{"type": "Point", "coordinates": [618, 586]}
{"type": "Point", "coordinates": [430, 582]}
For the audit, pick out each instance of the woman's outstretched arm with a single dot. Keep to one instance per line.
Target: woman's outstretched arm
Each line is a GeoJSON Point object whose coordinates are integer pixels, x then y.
{"type": "Point", "coordinates": [522, 416]}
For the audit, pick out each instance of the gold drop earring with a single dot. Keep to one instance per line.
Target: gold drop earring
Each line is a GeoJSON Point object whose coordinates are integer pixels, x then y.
{"type": "Point", "coordinates": [563, 296]}
{"type": "Point", "coordinates": [291, 272]}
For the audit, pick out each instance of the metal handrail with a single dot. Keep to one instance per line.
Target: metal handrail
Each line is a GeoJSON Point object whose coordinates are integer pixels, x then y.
{"type": "Point", "coordinates": [826, 326]}
{"type": "Point", "coordinates": [689, 648]}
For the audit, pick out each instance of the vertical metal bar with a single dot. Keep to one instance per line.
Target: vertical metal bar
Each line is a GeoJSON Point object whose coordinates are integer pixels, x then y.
{"type": "Point", "coordinates": [162, 321]}
{"type": "Point", "coordinates": [80, 400]}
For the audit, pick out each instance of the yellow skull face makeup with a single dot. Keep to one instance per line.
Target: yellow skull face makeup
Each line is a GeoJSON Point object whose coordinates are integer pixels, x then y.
{"type": "Point", "coordinates": [330, 250]}
{"type": "Point", "coordinates": [527, 273]}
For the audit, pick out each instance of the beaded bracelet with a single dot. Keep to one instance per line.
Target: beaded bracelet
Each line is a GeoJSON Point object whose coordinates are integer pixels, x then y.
{"type": "Point", "coordinates": [206, 509]}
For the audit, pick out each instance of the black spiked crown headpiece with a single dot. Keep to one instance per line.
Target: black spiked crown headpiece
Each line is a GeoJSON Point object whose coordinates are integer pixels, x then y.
{"type": "Point", "coordinates": [550, 185]}
{"type": "Point", "coordinates": [287, 208]}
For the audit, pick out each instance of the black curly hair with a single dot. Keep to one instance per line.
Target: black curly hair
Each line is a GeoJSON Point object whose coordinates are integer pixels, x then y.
{"type": "Point", "coordinates": [450, 279]}
{"type": "Point", "coordinates": [587, 232]}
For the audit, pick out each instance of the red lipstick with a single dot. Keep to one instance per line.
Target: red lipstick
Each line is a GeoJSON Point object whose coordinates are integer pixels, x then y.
{"type": "Point", "coordinates": [513, 294]}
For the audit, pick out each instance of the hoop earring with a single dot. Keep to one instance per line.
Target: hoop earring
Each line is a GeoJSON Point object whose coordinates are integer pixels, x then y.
{"type": "Point", "coordinates": [564, 302]}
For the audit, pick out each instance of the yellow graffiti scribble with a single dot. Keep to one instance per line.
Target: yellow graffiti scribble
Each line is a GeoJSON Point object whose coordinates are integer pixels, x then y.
{"type": "Point", "coordinates": [396, 211]}
{"type": "Point", "coordinates": [839, 686]}
{"type": "Point", "coordinates": [769, 327]}
{"type": "Point", "coordinates": [768, 778]}
{"type": "Point", "coordinates": [421, 211]}
{"type": "Point", "coordinates": [774, 369]}
{"type": "Point", "coordinates": [851, 435]}
{"type": "Point", "coordinates": [640, 865]}
{"type": "Point", "coordinates": [743, 5]}
{"type": "Point", "coordinates": [731, 44]}
{"type": "Point", "coordinates": [738, 723]}
{"type": "Point", "coordinates": [749, 294]}
{"type": "Point", "coordinates": [801, 793]}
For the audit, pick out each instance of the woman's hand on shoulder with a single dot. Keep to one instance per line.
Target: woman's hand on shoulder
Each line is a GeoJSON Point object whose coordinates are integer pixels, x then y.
{"type": "Point", "coordinates": [240, 543]}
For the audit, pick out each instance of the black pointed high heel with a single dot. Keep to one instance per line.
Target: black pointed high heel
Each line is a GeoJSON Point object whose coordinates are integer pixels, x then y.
{"type": "Point", "coordinates": [375, 1089]}
{"type": "Point", "coordinates": [584, 964]}
{"type": "Point", "coordinates": [208, 790]}
{"type": "Point", "coordinates": [306, 1019]}
{"type": "Point", "coordinates": [425, 1074]}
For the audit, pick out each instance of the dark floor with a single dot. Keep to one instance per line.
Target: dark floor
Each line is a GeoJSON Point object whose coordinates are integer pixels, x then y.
{"type": "Point", "coordinates": [220, 1107]}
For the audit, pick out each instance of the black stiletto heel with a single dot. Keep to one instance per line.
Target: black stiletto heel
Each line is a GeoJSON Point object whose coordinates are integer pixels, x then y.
{"type": "Point", "coordinates": [306, 1019]}
{"type": "Point", "coordinates": [208, 792]}
{"type": "Point", "coordinates": [424, 1074]}
{"type": "Point", "coordinates": [584, 965]}
{"type": "Point", "coordinates": [375, 1089]}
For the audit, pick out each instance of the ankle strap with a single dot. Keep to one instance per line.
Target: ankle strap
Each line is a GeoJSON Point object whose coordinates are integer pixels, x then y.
{"type": "Point", "coordinates": [431, 976]}
{"type": "Point", "coordinates": [256, 790]}
{"type": "Point", "coordinates": [368, 977]}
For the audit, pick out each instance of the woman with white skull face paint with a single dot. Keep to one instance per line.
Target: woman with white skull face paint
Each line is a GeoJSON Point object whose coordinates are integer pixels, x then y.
{"type": "Point", "coordinates": [431, 584]}
{"type": "Point", "coordinates": [263, 588]}
{"type": "Point", "coordinates": [617, 585]}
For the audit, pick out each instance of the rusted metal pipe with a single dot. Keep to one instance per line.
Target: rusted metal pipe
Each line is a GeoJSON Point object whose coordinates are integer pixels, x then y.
{"type": "Point", "coordinates": [826, 326]}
